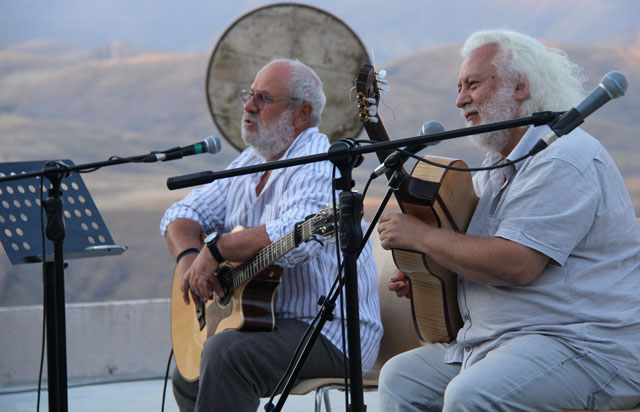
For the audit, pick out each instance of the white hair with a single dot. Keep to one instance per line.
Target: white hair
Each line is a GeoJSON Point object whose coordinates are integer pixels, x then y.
{"type": "Point", "coordinates": [555, 83]}
{"type": "Point", "coordinates": [306, 86]}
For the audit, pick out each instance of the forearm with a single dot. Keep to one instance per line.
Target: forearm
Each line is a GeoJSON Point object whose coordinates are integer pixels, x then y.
{"type": "Point", "coordinates": [240, 246]}
{"type": "Point", "coordinates": [183, 234]}
{"type": "Point", "coordinates": [494, 260]}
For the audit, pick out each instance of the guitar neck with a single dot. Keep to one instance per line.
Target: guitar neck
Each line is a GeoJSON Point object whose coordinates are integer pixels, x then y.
{"type": "Point", "coordinates": [270, 254]}
{"type": "Point", "coordinates": [377, 132]}
{"type": "Point", "coordinates": [368, 91]}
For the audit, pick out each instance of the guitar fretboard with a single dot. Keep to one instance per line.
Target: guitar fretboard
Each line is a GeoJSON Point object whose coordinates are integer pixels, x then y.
{"type": "Point", "coordinates": [267, 256]}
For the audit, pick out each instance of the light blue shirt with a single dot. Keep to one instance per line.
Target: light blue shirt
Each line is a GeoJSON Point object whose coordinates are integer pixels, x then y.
{"type": "Point", "coordinates": [570, 203]}
{"type": "Point", "coordinates": [290, 195]}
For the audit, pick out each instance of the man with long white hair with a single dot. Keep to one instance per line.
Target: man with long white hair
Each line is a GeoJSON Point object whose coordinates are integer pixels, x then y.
{"type": "Point", "coordinates": [281, 113]}
{"type": "Point", "coordinates": [549, 269]}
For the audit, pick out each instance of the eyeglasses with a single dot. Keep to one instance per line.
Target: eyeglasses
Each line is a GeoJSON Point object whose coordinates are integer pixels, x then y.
{"type": "Point", "coordinates": [261, 99]}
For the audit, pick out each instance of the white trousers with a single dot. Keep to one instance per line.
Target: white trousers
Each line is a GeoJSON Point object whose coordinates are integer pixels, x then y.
{"type": "Point", "coordinates": [528, 373]}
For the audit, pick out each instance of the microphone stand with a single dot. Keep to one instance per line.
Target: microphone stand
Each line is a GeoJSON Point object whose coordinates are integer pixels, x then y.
{"type": "Point", "coordinates": [350, 232]}
{"type": "Point", "coordinates": [54, 294]}
{"type": "Point", "coordinates": [53, 274]}
{"type": "Point", "coordinates": [345, 155]}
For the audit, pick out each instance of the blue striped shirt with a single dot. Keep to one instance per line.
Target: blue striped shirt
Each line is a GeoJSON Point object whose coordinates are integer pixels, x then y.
{"type": "Point", "coordinates": [289, 196]}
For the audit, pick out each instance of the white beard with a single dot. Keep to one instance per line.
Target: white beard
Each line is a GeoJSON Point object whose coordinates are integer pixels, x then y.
{"type": "Point", "coordinates": [500, 107]}
{"type": "Point", "coordinates": [272, 139]}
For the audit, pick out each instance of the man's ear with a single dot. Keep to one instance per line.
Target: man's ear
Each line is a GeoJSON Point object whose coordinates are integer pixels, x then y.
{"type": "Point", "coordinates": [301, 116]}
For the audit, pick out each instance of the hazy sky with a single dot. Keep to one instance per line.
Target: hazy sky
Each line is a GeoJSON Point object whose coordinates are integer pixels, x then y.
{"type": "Point", "coordinates": [392, 28]}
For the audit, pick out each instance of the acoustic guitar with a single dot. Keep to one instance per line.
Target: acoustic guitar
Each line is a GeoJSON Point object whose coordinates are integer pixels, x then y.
{"type": "Point", "coordinates": [437, 196]}
{"type": "Point", "coordinates": [247, 304]}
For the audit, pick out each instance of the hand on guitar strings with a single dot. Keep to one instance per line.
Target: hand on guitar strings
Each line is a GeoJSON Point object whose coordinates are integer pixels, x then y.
{"type": "Point", "coordinates": [200, 277]}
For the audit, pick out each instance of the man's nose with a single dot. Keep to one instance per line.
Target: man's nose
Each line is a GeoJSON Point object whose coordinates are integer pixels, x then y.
{"type": "Point", "coordinates": [250, 106]}
{"type": "Point", "coordinates": [463, 98]}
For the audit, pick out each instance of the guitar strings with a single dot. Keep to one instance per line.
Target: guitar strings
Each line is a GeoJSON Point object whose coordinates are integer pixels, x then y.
{"type": "Point", "coordinates": [244, 272]}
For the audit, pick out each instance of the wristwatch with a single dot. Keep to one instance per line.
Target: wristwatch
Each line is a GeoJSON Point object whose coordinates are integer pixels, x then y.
{"type": "Point", "coordinates": [212, 244]}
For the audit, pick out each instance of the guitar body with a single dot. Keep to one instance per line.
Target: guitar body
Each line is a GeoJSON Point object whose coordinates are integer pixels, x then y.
{"type": "Point", "coordinates": [439, 197]}
{"type": "Point", "coordinates": [248, 303]}
{"type": "Point", "coordinates": [250, 308]}
{"type": "Point", "coordinates": [447, 201]}
{"type": "Point", "coordinates": [188, 332]}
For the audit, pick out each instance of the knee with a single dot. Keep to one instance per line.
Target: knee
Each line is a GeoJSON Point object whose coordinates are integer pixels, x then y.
{"type": "Point", "coordinates": [405, 383]}
{"type": "Point", "coordinates": [397, 377]}
{"type": "Point", "coordinates": [463, 395]}
{"type": "Point", "coordinates": [222, 352]}
{"type": "Point", "coordinates": [185, 392]}
{"type": "Point", "coordinates": [390, 375]}
{"type": "Point", "coordinates": [213, 347]}
{"type": "Point", "coordinates": [390, 387]}
{"type": "Point", "coordinates": [181, 384]}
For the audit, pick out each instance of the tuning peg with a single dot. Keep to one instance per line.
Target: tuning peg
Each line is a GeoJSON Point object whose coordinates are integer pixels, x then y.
{"type": "Point", "coordinates": [382, 74]}
{"type": "Point", "coordinates": [383, 85]}
{"type": "Point", "coordinates": [373, 119]}
{"type": "Point", "coordinates": [372, 100]}
{"type": "Point", "coordinates": [373, 110]}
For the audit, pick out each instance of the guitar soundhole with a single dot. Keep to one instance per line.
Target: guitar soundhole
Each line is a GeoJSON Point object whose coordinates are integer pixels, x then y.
{"type": "Point", "coordinates": [224, 301]}
{"type": "Point", "coordinates": [226, 280]}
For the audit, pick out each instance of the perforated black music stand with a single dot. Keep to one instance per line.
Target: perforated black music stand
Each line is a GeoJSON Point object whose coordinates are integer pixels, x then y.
{"type": "Point", "coordinates": [84, 233]}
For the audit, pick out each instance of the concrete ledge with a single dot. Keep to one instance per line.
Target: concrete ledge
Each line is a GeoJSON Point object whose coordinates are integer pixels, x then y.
{"type": "Point", "coordinates": [116, 341]}
{"type": "Point", "coordinates": [106, 341]}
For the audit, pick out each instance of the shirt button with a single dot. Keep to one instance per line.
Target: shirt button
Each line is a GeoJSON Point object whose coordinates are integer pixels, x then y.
{"type": "Point", "coordinates": [466, 317]}
{"type": "Point", "coordinates": [467, 349]}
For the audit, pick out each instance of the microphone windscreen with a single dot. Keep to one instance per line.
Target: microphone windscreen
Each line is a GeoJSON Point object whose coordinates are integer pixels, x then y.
{"type": "Point", "coordinates": [431, 127]}
{"type": "Point", "coordinates": [615, 84]}
{"type": "Point", "coordinates": [214, 144]}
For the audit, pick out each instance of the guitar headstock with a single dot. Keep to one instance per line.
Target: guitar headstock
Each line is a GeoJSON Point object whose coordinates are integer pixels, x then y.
{"type": "Point", "coordinates": [369, 85]}
{"type": "Point", "coordinates": [323, 223]}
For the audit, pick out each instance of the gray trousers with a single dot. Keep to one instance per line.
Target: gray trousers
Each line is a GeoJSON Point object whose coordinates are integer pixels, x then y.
{"type": "Point", "coordinates": [238, 368]}
{"type": "Point", "coordinates": [528, 373]}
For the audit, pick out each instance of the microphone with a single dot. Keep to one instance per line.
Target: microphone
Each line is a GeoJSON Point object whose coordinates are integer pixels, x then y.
{"type": "Point", "coordinates": [211, 144]}
{"type": "Point", "coordinates": [396, 158]}
{"type": "Point", "coordinates": [611, 86]}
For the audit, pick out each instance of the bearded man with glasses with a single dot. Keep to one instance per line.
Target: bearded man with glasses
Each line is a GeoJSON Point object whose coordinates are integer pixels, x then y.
{"type": "Point", "coordinates": [281, 113]}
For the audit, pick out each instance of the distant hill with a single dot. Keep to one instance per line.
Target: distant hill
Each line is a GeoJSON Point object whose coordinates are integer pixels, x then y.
{"type": "Point", "coordinates": [59, 101]}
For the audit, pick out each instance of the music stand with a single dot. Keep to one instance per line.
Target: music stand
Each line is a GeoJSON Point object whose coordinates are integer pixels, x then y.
{"type": "Point", "coordinates": [86, 236]}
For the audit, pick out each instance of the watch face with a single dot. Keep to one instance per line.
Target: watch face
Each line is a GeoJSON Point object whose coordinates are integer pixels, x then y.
{"type": "Point", "coordinates": [210, 237]}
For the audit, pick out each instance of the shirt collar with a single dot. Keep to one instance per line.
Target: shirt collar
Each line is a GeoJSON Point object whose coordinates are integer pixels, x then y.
{"type": "Point", "coordinates": [526, 143]}
{"type": "Point", "coordinates": [299, 140]}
